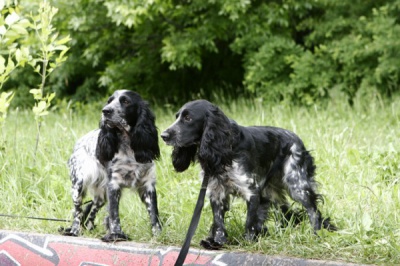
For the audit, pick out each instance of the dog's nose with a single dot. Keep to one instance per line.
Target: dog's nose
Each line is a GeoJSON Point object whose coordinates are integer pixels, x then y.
{"type": "Point", "coordinates": [107, 111]}
{"type": "Point", "coordinates": [165, 136]}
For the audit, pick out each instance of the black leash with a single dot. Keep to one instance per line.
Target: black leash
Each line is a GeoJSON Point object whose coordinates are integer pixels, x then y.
{"type": "Point", "coordinates": [193, 223]}
{"type": "Point", "coordinates": [40, 218]}
{"type": "Point", "coordinates": [35, 218]}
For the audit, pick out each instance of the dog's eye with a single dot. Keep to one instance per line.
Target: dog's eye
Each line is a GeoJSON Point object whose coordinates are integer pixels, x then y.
{"type": "Point", "coordinates": [125, 101]}
{"type": "Point", "coordinates": [187, 118]}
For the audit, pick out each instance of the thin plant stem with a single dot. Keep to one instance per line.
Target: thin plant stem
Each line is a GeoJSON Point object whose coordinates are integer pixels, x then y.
{"type": "Point", "coordinates": [39, 123]}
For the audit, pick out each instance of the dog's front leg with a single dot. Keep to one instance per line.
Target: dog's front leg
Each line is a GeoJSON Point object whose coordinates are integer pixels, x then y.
{"type": "Point", "coordinates": [218, 235]}
{"type": "Point", "coordinates": [115, 232]}
{"type": "Point", "coordinates": [252, 226]}
{"type": "Point", "coordinates": [149, 197]}
{"type": "Point", "coordinates": [218, 229]}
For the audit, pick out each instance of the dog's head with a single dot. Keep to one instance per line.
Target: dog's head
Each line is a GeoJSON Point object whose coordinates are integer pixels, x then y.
{"type": "Point", "coordinates": [121, 110]}
{"type": "Point", "coordinates": [188, 128]}
{"type": "Point", "coordinates": [200, 124]}
{"type": "Point", "coordinates": [126, 113]}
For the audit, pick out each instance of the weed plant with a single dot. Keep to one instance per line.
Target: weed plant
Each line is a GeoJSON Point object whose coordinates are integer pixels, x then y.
{"type": "Point", "coordinates": [358, 167]}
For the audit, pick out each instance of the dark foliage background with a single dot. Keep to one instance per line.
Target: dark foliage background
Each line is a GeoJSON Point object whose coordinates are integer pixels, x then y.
{"type": "Point", "coordinates": [297, 51]}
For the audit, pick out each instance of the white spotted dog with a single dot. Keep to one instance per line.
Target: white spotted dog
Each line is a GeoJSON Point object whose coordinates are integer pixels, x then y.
{"type": "Point", "coordinates": [261, 164]}
{"type": "Point", "coordinates": [119, 155]}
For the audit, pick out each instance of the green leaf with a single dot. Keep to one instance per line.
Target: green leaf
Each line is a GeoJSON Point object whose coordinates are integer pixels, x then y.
{"type": "Point", "coordinates": [60, 47]}
{"type": "Point", "coordinates": [11, 18]}
{"type": "Point", "coordinates": [42, 105]}
{"type": "Point", "coordinates": [37, 69]}
{"type": "Point", "coordinates": [37, 94]}
{"type": "Point", "coordinates": [5, 100]}
{"type": "Point", "coordinates": [20, 29]}
{"type": "Point", "coordinates": [2, 64]}
{"type": "Point", "coordinates": [18, 55]}
{"type": "Point", "coordinates": [35, 91]}
{"type": "Point", "coordinates": [51, 97]}
{"type": "Point", "coordinates": [63, 40]}
{"type": "Point", "coordinates": [10, 65]}
{"type": "Point", "coordinates": [3, 30]}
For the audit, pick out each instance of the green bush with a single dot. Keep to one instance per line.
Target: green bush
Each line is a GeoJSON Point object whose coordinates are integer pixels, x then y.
{"type": "Point", "coordinates": [286, 50]}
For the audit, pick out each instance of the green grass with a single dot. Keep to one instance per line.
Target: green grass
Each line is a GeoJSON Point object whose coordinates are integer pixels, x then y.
{"type": "Point", "coordinates": [356, 151]}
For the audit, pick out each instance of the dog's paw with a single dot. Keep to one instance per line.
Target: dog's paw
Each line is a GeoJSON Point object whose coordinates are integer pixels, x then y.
{"type": "Point", "coordinates": [253, 235]}
{"type": "Point", "coordinates": [210, 244]}
{"type": "Point", "coordinates": [250, 236]}
{"type": "Point", "coordinates": [68, 231]}
{"type": "Point", "coordinates": [156, 230]}
{"type": "Point", "coordinates": [219, 237]}
{"type": "Point", "coordinates": [115, 237]}
{"type": "Point", "coordinates": [215, 241]}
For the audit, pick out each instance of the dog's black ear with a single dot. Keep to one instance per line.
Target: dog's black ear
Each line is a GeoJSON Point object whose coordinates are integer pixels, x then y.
{"type": "Point", "coordinates": [144, 137]}
{"type": "Point", "coordinates": [107, 144]}
{"type": "Point", "coordinates": [183, 156]}
{"type": "Point", "coordinates": [215, 150]}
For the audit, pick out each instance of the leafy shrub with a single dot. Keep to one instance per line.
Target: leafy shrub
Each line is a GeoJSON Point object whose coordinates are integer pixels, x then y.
{"type": "Point", "coordinates": [290, 50]}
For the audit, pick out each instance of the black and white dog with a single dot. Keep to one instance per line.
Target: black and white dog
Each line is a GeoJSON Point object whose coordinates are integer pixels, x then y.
{"type": "Point", "coordinates": [261, 164]}
{"type": "Point", "coordinates": [120, 154]}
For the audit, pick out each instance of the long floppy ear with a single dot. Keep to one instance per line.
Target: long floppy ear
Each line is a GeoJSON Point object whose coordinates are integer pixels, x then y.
{"type": "Point", "coordinates": [216, 144]}
{"type": "Point", "coordinates": [183, 156]}
{"type": "Point", "coordinates": [107, 144]}
{"type": "Point", "coordinates": [144, 137]}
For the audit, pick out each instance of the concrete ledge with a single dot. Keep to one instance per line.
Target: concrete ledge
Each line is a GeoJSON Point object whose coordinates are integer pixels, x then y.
{"type": "Point", "coordinates": [20, 248]}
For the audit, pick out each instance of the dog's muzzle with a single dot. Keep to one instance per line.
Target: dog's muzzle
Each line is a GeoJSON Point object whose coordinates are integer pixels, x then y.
{"type": "Point", "coordinates": [169, 137]}
{"type": "Point", "coordinates": [166, 136]}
